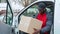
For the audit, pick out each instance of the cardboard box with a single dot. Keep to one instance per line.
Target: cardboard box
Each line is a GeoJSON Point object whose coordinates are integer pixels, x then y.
{"type": "Point", "coordinates": [28, 23]}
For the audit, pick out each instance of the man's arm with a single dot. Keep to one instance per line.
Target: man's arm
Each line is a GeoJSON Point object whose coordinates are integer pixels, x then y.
{"type": "Point", "coordinates": [48, 24]}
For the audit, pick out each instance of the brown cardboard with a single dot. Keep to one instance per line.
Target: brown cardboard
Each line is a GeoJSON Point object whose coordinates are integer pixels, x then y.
{"type": "Point", "coordinates": [28, 23]}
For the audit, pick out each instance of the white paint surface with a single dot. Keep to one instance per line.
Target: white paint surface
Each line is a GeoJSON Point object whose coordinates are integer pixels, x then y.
{"type": "Point", "coordinates": [57, 17]}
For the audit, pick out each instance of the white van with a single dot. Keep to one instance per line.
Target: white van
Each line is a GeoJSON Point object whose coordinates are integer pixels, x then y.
{"type": "Point", "coordinates": [51, 6]}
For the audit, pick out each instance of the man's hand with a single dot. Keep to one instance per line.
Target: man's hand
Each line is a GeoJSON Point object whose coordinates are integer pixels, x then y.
{"type": "Point", "coordinates": [36, 31]}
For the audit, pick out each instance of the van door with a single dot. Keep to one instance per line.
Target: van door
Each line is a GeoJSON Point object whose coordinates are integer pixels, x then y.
{"type": "Point", "coordinates": [57, 17]}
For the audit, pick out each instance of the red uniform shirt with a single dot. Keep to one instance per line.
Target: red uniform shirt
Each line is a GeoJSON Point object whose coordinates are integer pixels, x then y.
{"type": "Point", "coordinates": [43, 18]}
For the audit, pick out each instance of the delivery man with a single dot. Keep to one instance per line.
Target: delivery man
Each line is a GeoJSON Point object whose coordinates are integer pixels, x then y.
{"type": "Point", "coordinates": [46, 19]}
